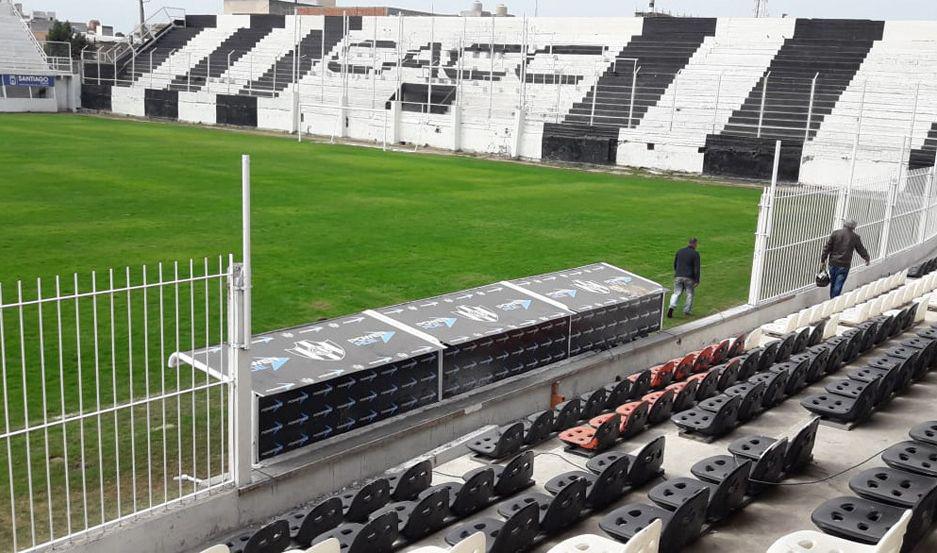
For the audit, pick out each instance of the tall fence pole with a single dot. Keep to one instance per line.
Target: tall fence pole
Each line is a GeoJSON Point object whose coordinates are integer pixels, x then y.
{"type": "Point", "coordinates": [673, 105]}
{"type": "Point", "coordinates": [761, 111]}
{"type": "Point", "coordinates": [239, 314]}
{"type": "Point", "coordinates": [813, 90]}
{"type": "Point", "coordinates": [892, 193]}
{"type": "Point", "coordinates": [634, 83]}
{"type": "Point", "coordinates": [595, 93]}
{"type": "Point", "coordinates": [716, 107]}
{"type": "Point", "coordinates": [926, 201]}
{"type": "Point", "coordinates": [763, 230]}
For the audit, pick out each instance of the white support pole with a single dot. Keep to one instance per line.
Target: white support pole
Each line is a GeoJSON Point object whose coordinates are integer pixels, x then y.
{"type": "Point", "coordinates": [890, 201]}
{"type": "Point", "coordinates": [673, 104]}
{"type": "Point", "coordinates": [491, 72]}
{"type": "Point", "coordinates": [188, 73]}
{"type": "Point", "coordinates": [297, 32]}
{"type": "Point", "coordinates": [228, 70]}
{"type": "Point", "coordinates": [813, 89]}
{"type": "Point", "coordinates": [927, 202]}
{"type": "Point", "coordinates": [761, 111]}
{"type": "Point", "coordinates": [917, 97]}
{"type": "Point", "coordinates": [595, 92]}
{"type": "Point", "coordinates": [239, 338]}
{"type": "Point", "coordinates": [634, 83]}
{"type": "Point", "coordinates": [716, 107]}
{"type": "Point", "coordinates": [764, 229]}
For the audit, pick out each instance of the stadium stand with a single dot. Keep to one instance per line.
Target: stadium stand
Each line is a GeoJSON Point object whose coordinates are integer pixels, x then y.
{"type": "Point", "coordinates": [662, 93]}
{"type": "Point", "coordinates": [19, 51]}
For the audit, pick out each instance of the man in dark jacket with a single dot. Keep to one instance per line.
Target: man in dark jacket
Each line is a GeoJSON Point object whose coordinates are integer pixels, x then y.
{"type": "Point", "coordinates": [686, 277]}
{"type": "Point", "coordinates": [838, 250]}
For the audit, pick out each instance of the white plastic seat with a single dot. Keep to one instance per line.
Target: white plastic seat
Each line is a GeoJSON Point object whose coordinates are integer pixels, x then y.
{"type": "Point", "coordinates": [810, 541]}
{"type": "Point", "coordinates": [645, 541]}
{"type": "Point", "coordinates": [855, 315]}
{"type": "Point", "coordinates": [876, 306]}
{"type": "Point", "coordinates": [827, 308]}
{"type": "Point", "coordinates": [829, 330]}
{"type": "Point", "coordinates": [220, 548]}
{"type": "Point", "coordinates": [803, 318]}
{"type": "Point", "coordinates": [472, 544]}
{"type": "Point", "coordinates": [839, 303]}
{"type": "Point", "coordinates": [781, 326]}
{"type": "Point", "coordinates": [921, 311]}
{"type": "Point", "coordinates": [907, 294]}
{"type": "Point", "coordinates": [753, 340]}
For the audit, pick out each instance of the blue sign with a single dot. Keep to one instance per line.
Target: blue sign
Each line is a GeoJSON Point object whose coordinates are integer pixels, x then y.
{"type": "Point", "coordinates": [27, 80]}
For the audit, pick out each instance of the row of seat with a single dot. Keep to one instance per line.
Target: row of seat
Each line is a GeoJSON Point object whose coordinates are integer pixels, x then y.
{"type": "Point", "coordinates": [894, 506]}
{"type": "Point", "coordinates": [721, 485]}
{"type": "Point", "coordinates": [924, 268]}
{"type": "Point", "coordinates": [853, 399]}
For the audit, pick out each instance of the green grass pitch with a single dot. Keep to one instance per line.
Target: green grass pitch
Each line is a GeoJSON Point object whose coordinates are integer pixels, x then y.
{"type": "Point", "coordinates": [337, 229]}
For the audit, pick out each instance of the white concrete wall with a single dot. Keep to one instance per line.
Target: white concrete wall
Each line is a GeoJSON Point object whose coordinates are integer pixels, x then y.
{"type": "Point", "coordinates": [128, 100]}
{"type": "Point", "coordinates": [198, 107]}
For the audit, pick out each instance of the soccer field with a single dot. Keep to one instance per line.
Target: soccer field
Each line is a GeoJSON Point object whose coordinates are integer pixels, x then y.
{"type": "Point", "coordinates": [338, 229]}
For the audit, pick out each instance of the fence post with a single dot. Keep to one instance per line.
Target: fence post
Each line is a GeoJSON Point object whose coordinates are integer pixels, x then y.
{"type": "Point", "coordinates": [763, 231]}
{"type": "Point", "coordinates": [673, 105]}
{"type": "Point", "coordinates": [928, 192]}
{"type": "Point", "coordinates": [761, 111]}
{"type": "Point", "coordinates": [634, 81]}
{"type": "Point", "coordinates": [239, 316]}
{"type": "Point", "coordinates": [228, 71]}
{"type": "Point", "coordinates": [151, 67]}
{"type": "Point", "coordinates": [595, 92]}
{"type": "Point", "coordinates": [208, 70]}
{"type": "Point", "coordinates": [890, 202]}
{"type": "Point", "coordinates": [716, 108]}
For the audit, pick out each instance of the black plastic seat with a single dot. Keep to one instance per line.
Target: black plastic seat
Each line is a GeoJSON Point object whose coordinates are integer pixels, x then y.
{"type": "Point", "coordinates": [841, 408]}
{"type": "Point", "coordinates": [768, 468]}
{"type": "Point", "coordinates": [684, 395]}
{"type": "Point", "coordinates": [556, 513]}
{"type": "Point", "coordinates": [912, 365]}
{"type": "Point", "coordinates": [799, 450]}
{"type": "Point", "coordinates": [660, 405]}
{"type": "Point", "coordinates": [568, 415]}
{"type": "Point", "coordinates": [706, 386]}
{"type": "Point", "coordinates": [643, 465]}
{"type": "Point", "coordinates": [927, 349]}
{"type": "Point", "coordinates": [887, 380]}
{"type": "Point", "coordinates": [848, 387]}
{"type": "Point", "coordinates": [819, 362]}
{"type": "Point", "coordinates": [728, 374]}
{"type": "Point", "coordinates": [796, 375]}
{"type": "Point", "coordinates": [617, 393]}
{"type": "Point", "coordinates": [775, 383]}
{"type": "Point", "coordinates": [640, 383]}
{"type": "Point", "coordinates": [538, 427]}
{"type": "Point", "coordinates": [785, 347]}
{"type": "Point", "coordinates": [500, 443]}
{"type": "Point", "coordinates": [913, 457]}
{"type": "Point", "coordinates": [376, 536]}
{"type": "Point", "coordinates": [892, 486]}
{"type": "Point", "coordinates": [752, 396]}
{"type": "Point", "coordinates": [712, 417]}
{"type": "Point", "coordinates": [420, 518]}
{"type": "Point", "coordinates": [723, 497]}
{"type": "Point", "coordinates": [603, 488]}
{"type": "Point", "coordinates": [680, 527]}
{"type": "Point", "coordinates": [801, 340]}
{"type": "Point", "coordinates": [925, 432]}
{"type": "Point", "coordinates": [513, 535]}
{"type": "Point", "coordinates": [593, 403]}
{"type": "Point", "coordinates": [358, 505]}
{"type": "Point", "coordinates": [320, 519]}
{"type": "Point", "coordinates": [272, 538]}
{"type": "Point", "coordinates": [748, 364]}
{"type": "Point", "coordinates": [856, 518]}
{"type": "Point", "coordinates": [837, 350]}
{"type": "Point", "coordinates": [769, 354]}
{"type": "Point", "coordinates": [408, 485]}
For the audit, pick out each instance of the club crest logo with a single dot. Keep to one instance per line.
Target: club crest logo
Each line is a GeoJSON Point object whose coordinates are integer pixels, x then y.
{"type": "Point", "coordinates": [476, 313]}
{"type": "Point", "coordinates": [591, 286]}
{"type": "Point", "coordinates": [318, 351]}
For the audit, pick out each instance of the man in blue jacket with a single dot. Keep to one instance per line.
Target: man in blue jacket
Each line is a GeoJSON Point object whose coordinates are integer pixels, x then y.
{"type": "Point", "coordinates": [686, 277]}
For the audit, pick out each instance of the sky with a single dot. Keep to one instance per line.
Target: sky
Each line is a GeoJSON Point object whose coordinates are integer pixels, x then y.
{"type": "Point", "coordinates": [123, 14]}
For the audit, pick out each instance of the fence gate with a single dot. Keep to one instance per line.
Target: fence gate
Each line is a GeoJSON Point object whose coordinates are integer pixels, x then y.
{"type": "Point", "coordinates": [97, 424]}
{"type": "Point", "coordinates": [795, 220]}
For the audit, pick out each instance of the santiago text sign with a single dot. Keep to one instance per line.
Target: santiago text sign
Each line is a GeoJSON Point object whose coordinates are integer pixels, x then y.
{"type": "Point", "coordinates": [27, 80]}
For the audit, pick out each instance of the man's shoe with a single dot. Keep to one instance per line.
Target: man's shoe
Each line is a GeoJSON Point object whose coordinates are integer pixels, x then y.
{"type": "Point", "coordinates": [670, 313]}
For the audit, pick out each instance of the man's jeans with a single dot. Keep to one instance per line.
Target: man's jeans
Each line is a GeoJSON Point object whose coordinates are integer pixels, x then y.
{"type": "Point", "coordinates": [681, 285]}
{"type": "Point", "coordinates": [837, 279]}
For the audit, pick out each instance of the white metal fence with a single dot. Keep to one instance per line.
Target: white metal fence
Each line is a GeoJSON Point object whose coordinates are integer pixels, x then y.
{"type": "Point", "coordinates": [794, 222]}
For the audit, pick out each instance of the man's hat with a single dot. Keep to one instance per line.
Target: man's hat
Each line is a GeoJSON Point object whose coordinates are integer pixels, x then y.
{"type": "Point", "coordinates": [850, 223]}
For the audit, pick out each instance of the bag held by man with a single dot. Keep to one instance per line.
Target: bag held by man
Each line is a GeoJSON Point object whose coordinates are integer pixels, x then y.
{"type": "Point", "coordinates": [823, 278]}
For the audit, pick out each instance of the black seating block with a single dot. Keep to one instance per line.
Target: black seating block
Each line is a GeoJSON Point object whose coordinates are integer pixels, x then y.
{"type": "Point", "coordinates": [662, 408]}
{"type": "Point", "coordinates": [837, 353]}
{"type": "Point", "coordinates": [785, 347]}
{"type": "Point", "coordinates": [707, 386]}
{"type": "Point", "coordinates": [841, 408]}
{"type": "Point", "coordinates": [769, 467]}
{"type": "Point", "coordinates": [927, 332]}
{"type": "Point", "coordinates": [854, 348]}
{"type": "Point", "coordinates": [499, 443]}
{"type": "Point", "coordinates": [686, 397]}
{"type": "Point", "coordinates": [538, 427]}
{"type": "Point", "coordinates": [801, 340]}
{"type": "Point", "coordinates": [359, 504]}
{"type": "Point", "coordinates": [556, 484]}
{"type": "Point", "coordinates": [474, 495]}
{"type": "Point", "coordinates": [768, 356]}
{"type": "Point", "coordinates": [728, 375]}
{"type": "Point", "coordinates": [816, 333]}
{"type": "Point", "coordinates": [927, 349]}
{"type": "Point", "coordinates": [320, 519]}
{"type": "Point", "coordinates": [568, 415]}
{"type": "Point", "coordinates": [426, 516]}
{"type": "Point", "coordinates": [913, 457]}
{"type": "Point", "coordinates": [925, 433]}
{"type": "Point", "coordinates": [749, 364]}
{"type": "Point", "coordinates": [636, 422]}
{"type": "Point", "coordinates": [710, 423]}
{"type": "Point", "coordinates": [272, 538]}
{"type": "Point", "coordinates": [796, 375]}
{"type": "Point", "coordinates": [516, 475]}
{"type": "Point", "coordinates": [566, 508]}
{"type": "Point", "coordinates": [617, 393]}
{"type": "Point", "coordinates": [774, 387]}
{"type": "Point", "coordinates": [800, 449]}
{"type": "Point", "coordinates": [750, 447]}
{"type": "Point", "coordinates": [913, 367]}
{"type": "Point", "coordinates": [646, 463]}
{"type": "Point", "coordinates": [714, 469]}
{"type": "Point", "coordinates": [611, 484]}
{"type": "Point", "coordinates": [887, 380]}
{"type": "Point", "coordinates": [855, 518]}
{"type": "Point", "coordinates": [724, 497]}
{"type": "Point", "coordinates": [892, 486]}
{"type": "Point", "coordinates": [752, 396]}
{"type": "Point", "coordinates": [640, 384]}
{"type": "Point", "coordinates": [516, 534]}
{"type": "Point", "coordinates": [415, 479]}
{"type": "Point", "coordinates": [680, 527]}
{"type": "Point", "coordinates": [593, 403]}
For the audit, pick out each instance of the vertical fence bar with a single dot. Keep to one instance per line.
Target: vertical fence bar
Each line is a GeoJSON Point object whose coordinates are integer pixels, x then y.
{"type": "Point", "coordinates": [146, 376]}
{"type": "Point", "coordinates": [716, 107]}
{"type": "Point", "coordinates": [114, 398]}
{"type": "Point", "coordinates": [241, 453]}
{"type": "Point", "coordinates": [765, 228]}
{"type": "Point", "coordinates": [29, 462]}
{"type": "Point", "coordinates": [634, 85]}
{"type": "Point", "coordinates": [6, 419]}
{"type": "Point", "coordinates": [65, 464]}
{"type": "Point", "coordinates": [761, 111]}
{"type": "Point", "coordinates": [813, 89]}
{"type": "Point", "coordinates": [890, 196]}
{"type": "Point", "coordinates": [45, 406]}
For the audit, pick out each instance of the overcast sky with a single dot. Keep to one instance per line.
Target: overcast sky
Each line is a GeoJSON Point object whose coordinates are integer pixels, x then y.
{"type": "Point", "coordinates": [123, 13]}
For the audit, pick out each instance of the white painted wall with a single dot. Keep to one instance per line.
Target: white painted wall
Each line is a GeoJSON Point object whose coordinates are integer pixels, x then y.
{"type": "Point", "coordinates": [197, 107]}
{"type": "Point", "coordinates": [128, 100]}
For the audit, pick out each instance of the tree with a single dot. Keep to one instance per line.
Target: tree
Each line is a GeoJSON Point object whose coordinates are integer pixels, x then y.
{"type": "Point", "coordinates": [63, 32]}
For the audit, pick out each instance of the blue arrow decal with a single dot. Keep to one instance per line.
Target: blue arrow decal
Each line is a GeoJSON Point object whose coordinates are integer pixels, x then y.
{"type": "Point", "coordinates": [370, 416]}
{"type": "Point", "coordinates": [302, 440]}
{"type": "Point", "coordinates": [268, 363]}
{"type": "Point", "coordinates": [272, 408]}
{"type": "Point", "coordinates": [323, 433]}
{"type": "Point", "coordinates": [345, 425]}
{"type": "Point", "coordinates": [273, 451]}
{"type": "Point", "coordinates": [328, 409]}
{"type": "Point", "coordinates": [303, 396]}
{"type": "Point", "coordinates": [301, 420]}
{"type": "Point", "coordinates": [273, 429]}
{"type": "Point", "coordinates": [387, 335]}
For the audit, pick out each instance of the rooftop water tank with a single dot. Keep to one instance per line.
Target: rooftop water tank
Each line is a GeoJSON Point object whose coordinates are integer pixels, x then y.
{"type": "Point", "coordinates": [501, 10]}
{"type": "Point", "coordinates": [477, 7]}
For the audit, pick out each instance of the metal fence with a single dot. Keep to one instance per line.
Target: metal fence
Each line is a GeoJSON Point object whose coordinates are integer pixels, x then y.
{"type": "Point", "coordinates": [100, 423]}
{"type": "Point", "coordinates": [794, 222]}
